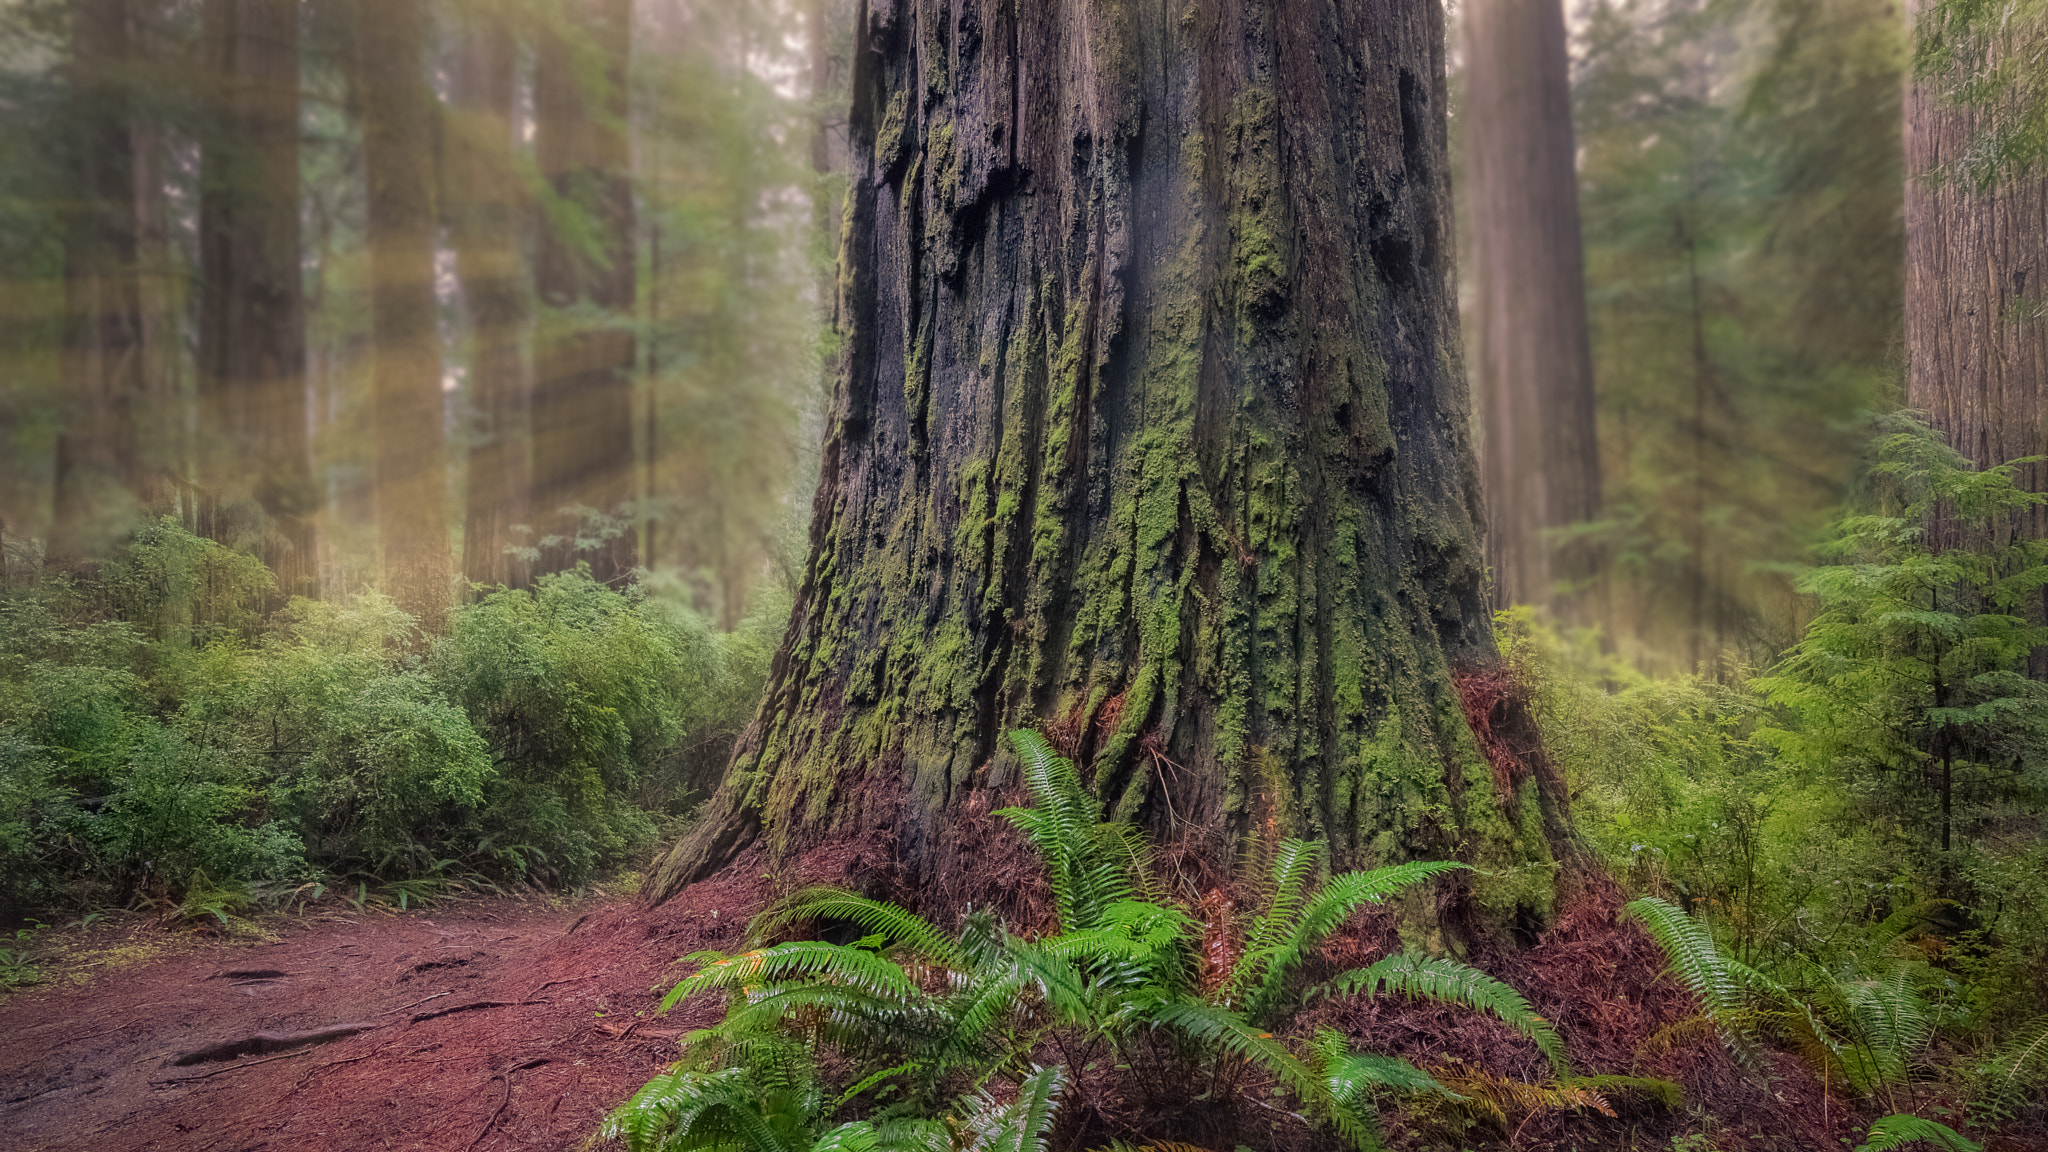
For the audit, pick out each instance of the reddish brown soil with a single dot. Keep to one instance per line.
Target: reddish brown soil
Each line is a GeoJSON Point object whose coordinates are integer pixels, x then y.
{"type": "Point", "coordinates": [85, 1067]}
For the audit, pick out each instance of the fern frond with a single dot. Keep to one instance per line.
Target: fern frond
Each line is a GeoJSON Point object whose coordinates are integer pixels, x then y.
{"type": "Point", "coordinates": [2020, 1063]}
{"type": "Point", "coordinates": [1021, 1125]}
{"type": "Point", "coordinates": [1352, 1076]}
{"type": "Point", "coordinates": [1219, 1027]}
{"type": "Point", "coordinates": [692, 1109]}
{"type": "Point", "coordinates": [1899, 1130]}
{"type": "Point", "coordinates": [1714, 980]}
{"type": "Point", "coordinates": [903, 1134]}
{"type": "Point", "coordinates": [1450, 982]}
{"type": "Point", "coordinates": [1664, 1092]}
{"type": "Point", "coordinates": [1323, 912]}
{"type": "Point", "coordinates": [1498, 1097]}
{"type": "Point", "coordinates": [898, 925]}
{"type": "Point", "coordinates": [801, 959]}
{"type": "Point", "coordinates": [1664, 1039]}
{"type": "Point", "coordinates": [1087, 862]}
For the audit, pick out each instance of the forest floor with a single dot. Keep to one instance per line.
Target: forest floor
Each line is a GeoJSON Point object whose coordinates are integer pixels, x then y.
{"type": "Point", "coordinates": [465, 1026]}
{"type": "Point", "coordinates": [473, 1025]}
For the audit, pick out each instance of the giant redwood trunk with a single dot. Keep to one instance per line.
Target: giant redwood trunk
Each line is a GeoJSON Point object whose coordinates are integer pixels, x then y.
{"type": "Point", "coordinates": [1534, 370]}
{"type": "Point", "coordinates": [1150, 428]}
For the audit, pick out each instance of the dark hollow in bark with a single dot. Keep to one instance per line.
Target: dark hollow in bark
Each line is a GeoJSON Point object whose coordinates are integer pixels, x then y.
{"type": "Point", "coordinates": [1149, 428]}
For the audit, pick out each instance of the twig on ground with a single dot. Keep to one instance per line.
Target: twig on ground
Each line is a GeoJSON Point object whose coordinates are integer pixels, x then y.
{"type": "Point", "coordinates": [415, 1004]}
{"type": "Point", "coordinates": [492, 1122]}
{"type": "Point", "coordinates": [506, 1076]}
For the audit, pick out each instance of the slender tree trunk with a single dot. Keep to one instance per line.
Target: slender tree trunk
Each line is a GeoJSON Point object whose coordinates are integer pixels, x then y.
{"type": "Point", "coordinates": [484, 211]}
{"type": "Point", "coordinates": [1541, 455]}
{"type": "Point", "coordinates": [1149, 428]}
{"type": "Point", "coordinates": [101, 482]}
{"type": "Point", "coordinates": [1976, 271]}
{"type": "Point", "coordinates": [252, 332]}
{"type": "Point", "coordinates": [585, 360]}
{"type": "Point", "coordinates": [1976, 321]}
{"type": "Point", "coordinates": [406, 419]}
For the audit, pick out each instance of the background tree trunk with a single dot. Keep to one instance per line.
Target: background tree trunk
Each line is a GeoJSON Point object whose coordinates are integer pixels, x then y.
{"type": "Point", "coordinates": [101, 482]}
{"type": "Point", "coordinates": [1149, 426]}
{"type": "Point", "coordinates": [585, 360]}
{"type": "Point", "coordinates": [1976, 274]}
{"type": "Point", "coordinates": [406, 418]}
{"type": "Point", "coordinates": [484, 215]}
{"type": "Point", "coordinates": [1540, 453]}
{"type": "Point", "coordinates": [252, 329]}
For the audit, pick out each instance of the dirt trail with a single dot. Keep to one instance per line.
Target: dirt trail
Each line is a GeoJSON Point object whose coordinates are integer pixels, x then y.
{"type": "Point", "coordinates": [471, 1026]}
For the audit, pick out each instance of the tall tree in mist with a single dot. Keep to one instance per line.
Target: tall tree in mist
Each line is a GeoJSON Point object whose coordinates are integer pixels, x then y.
{"type": "Point", "coordinates": [1977, 239]}
{"type": "Point", "coordinates": [1149, 425]}
{"type": "Point", "coordinates": [406, 422]}
{"type": "Point", "coordinates": [102, 479]}
{"type": "Point", "coordinates": [484, 209]}
{"type": "Point", "coordinates": [252, 324]}
{"type": "Point", "coordinates": [1743, 262]}
{"type": "Point", "coordinates": [1540, 454]}
{"type": "Point", "coordinates": [582, 410]}
{"type": "Point", "coordinates": [731, 292]}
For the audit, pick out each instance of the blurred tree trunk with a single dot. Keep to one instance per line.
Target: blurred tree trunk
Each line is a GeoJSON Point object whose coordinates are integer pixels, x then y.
{"type": "Point", "coordinates": [583, 452]}
{"type": "Point", "coordinates": [101, 482]}
{"type": "Point", "coordinates": [484, 211]}
{"type": "Point", "coordinates": [252, 314]}
{"type": "Point", "coordinates": [1150, 428]}
{"type": "Point", "coordinates": [1976, 273]}
{"type": "Point", "coordinates": [406, 419]}
{"type": "Point", "coordinates": [1540, 454]}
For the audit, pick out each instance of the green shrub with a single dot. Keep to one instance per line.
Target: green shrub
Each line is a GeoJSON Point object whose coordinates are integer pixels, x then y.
{"type": "Point", "coordinates": [178, 808]}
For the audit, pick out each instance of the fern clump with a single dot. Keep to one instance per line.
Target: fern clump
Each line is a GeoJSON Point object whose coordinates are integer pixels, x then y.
{"type": "Point", "coordinates": [918, 1012]}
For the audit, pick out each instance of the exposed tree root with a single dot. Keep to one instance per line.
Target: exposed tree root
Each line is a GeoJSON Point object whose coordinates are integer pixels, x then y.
{"type": "Point", "coordinates": [261, 1042]}
{"type": "Point", "coordinates": [473, 1006]}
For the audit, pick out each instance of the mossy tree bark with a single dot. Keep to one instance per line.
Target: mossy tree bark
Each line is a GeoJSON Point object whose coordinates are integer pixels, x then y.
{"type": "Point", "coordinates": [1149, 427]}
{"type": "Point", "coordinates": [1540, 454]}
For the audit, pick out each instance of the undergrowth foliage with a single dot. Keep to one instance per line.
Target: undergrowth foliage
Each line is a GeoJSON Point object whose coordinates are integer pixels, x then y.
{"type": "Point", "coordinates": [1112, 1004]}
{"type": "Point", "coordinates": [162, 719]}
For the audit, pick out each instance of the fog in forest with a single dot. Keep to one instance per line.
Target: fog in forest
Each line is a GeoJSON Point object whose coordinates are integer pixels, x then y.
{"type": "Point", "coordinates": [1136, 485]}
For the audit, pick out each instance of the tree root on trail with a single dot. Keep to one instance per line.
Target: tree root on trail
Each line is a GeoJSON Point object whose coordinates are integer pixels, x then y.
{"type": "Point", "coordinates": [506, 1076]}
{"type": "Point", "coordinates": [261, 1042]}
{"type": "Point", "coordinates": [235, 1067]}
{"type": "Point", "coordinates": [472, 1006]}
